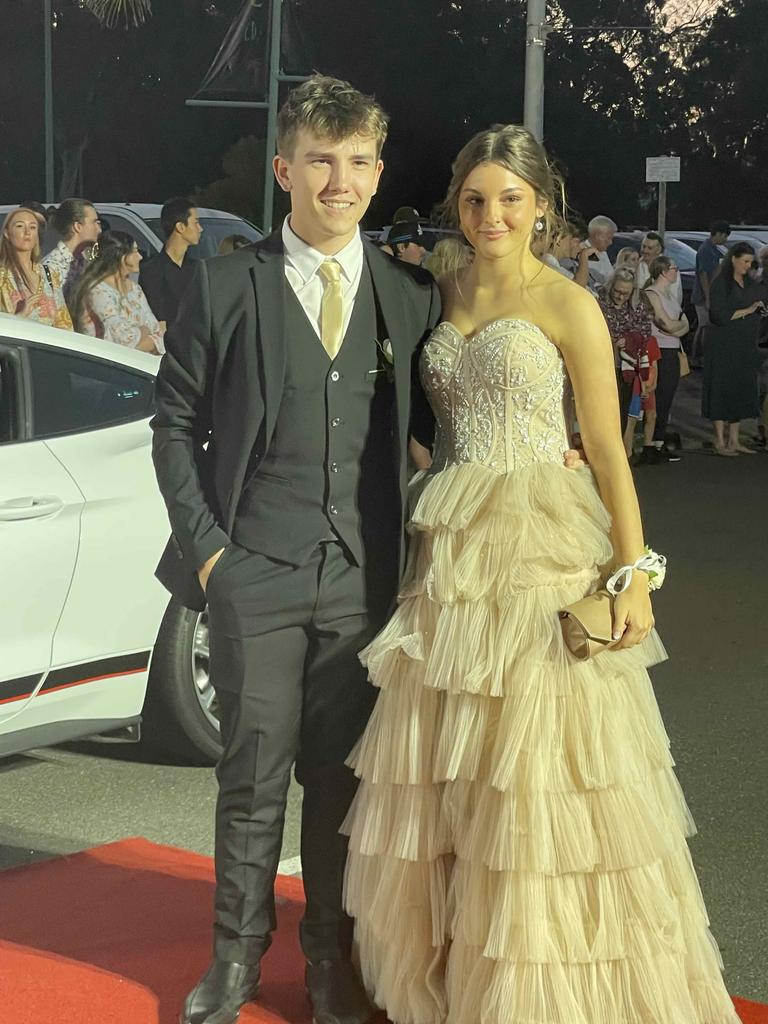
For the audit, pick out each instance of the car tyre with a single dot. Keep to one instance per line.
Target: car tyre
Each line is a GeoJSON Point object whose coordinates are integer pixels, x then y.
{"type": "Point", "coordinates": [180, 709]}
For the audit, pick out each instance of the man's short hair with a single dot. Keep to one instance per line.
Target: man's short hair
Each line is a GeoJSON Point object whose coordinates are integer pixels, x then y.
{"type": "Point", "coordinates": [331, 109]}
{"type": "Point", "coordinates": [175, 211]}
{"type": "Point", "coordinates": [719, 227]}
{"type": "Point", "coordinates": [654, 236]}
{"type": "Point", "coordinates": [602, 223]}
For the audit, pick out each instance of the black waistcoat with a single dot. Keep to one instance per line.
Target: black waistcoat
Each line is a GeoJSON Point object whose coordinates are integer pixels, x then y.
{"type": "Point", "coordinates": [331, 470]}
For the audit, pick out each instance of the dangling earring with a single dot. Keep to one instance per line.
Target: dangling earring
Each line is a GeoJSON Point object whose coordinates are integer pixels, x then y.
{"type": "Point", "coordinates": [539, 225]}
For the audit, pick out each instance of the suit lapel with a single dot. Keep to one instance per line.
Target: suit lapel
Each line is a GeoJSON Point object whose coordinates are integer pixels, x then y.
{"type": "Point", "coordinates": [391, 300]}
{"type": "Point", "coordinates": [268, 273]}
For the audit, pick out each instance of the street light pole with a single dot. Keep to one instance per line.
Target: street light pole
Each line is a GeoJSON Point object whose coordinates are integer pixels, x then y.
{"type": "Point", "coordinates": [535, 45]}
{"type": "Point", "coordinates": [276, 78]}
{"type": "Point", "coordinates": [276, 25]}
{"type": "Point", "coordinates": [48, 62]}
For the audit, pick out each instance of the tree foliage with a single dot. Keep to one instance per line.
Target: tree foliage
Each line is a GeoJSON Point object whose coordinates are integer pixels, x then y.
{"type": "Point", "coordinates": [113, 12]}
{"type": "Point", "coordinates": [694, 85]}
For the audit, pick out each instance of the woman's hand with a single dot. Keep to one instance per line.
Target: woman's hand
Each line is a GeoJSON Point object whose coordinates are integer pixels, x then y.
{"type": "Point", "coordinates": [574, 458]}
{"type": "Point", "coordinates": [147, 341]}
{"type": "Point", "coordinates": [421, 456]}
{"type": "Point", "coordinates": [30, 306]}
{"type": "Point", "coordinates": [632, 613]}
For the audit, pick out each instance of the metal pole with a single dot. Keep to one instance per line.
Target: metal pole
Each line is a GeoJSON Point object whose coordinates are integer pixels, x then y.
{"type": "Point", "coordinates": [226, 103]}
{"type": "Point", "coordinates": [535, 45]}
{"type": "Point", "coordinates": [662, 207]}
{"type": "Point", "coordinates": [276, 25]}
{"type": "Point", "coordinates": [48, 62]}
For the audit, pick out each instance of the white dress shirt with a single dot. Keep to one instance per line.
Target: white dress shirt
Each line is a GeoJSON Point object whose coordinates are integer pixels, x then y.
{"type": "Point", "coordinates": [554, 263]}
{"type": "Point", "coordinates": [301, 265]}
{"type": "Point", "coordinates": [600, 269]}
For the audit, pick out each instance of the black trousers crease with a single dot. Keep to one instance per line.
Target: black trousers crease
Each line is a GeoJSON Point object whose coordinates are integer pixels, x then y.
{"type": "Point", "coordinates": [291, 692]}
{"type": "Point", "coordinates": [666, 388]}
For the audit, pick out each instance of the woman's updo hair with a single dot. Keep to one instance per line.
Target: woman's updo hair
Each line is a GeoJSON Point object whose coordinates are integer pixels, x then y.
{"type": "Point", "coordinates": [63, 217]}
{"type": "Point", "coordinates": [513, 147]}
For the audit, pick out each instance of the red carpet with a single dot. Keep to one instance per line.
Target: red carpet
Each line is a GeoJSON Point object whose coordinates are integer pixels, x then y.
{"type": "Point", "coordinates": [120, 933]}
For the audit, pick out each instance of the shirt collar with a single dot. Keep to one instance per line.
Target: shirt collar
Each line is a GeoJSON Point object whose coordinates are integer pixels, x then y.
{"type": "Point", "coordinates": [173, 263]}
{"type": "Point", "coordinates": [305, 260]}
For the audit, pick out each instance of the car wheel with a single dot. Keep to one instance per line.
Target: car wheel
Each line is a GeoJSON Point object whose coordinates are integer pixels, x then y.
{"type": "Point", "coordinates": [180, 713]}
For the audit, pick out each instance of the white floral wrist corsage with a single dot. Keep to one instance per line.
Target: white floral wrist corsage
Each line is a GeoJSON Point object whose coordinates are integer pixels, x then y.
{"type": "Point", "coordinates": [655, 566]}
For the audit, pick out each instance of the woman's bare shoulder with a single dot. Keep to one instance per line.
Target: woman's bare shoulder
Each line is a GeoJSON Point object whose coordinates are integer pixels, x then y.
{"type": "Point", "coordinates": [564, 305]}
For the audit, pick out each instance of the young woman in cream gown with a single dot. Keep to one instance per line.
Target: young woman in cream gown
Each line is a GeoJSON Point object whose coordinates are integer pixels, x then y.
{"type": "Point", "coordinates": [518, 847]}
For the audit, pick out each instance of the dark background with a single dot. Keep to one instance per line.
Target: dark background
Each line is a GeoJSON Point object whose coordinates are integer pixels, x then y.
{"type": "Point", "coordinates": [442, 68]}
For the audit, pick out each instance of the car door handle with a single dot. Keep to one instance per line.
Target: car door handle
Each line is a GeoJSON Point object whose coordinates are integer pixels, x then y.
{"type": "Point", "coordinates": [29, 508]}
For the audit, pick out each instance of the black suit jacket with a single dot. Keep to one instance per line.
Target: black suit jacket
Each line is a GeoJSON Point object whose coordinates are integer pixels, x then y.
{"type": "Point", "coordinates": [221, 381]}
{"type": "Point", "coordinates": [164, 283]}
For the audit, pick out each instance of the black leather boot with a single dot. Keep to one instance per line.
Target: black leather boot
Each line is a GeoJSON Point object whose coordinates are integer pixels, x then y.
{"type": "Point", "coordinates": [221, 993]}
{"type": "Point", "coordinates": [337, 994]}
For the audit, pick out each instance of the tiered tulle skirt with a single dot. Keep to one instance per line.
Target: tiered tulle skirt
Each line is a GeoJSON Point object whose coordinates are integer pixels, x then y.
{"type": "Point", "coordinates": [518, 844]}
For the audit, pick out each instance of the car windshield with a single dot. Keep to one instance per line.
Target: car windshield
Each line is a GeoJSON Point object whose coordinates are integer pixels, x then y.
{"type": "Point", "coordinates": [214, 230]}
{"type": "Point", "coordinates": [683, 255]}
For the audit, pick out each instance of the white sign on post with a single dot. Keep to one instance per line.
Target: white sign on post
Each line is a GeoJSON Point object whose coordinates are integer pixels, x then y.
{"type": "Point", "coordinates": [662, 168]}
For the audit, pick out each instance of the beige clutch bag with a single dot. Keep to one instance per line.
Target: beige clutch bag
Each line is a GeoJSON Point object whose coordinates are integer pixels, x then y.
{"type": "Point", "coordinates": [588, 625]}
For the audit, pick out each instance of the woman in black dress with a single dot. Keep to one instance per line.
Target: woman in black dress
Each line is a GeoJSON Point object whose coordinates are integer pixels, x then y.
{"type": "Point", "coordinates": [731, 357]}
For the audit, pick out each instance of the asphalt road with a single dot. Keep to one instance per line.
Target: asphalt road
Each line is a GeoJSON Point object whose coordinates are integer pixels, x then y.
{"type": "Point", "coordinates": [708, 515]}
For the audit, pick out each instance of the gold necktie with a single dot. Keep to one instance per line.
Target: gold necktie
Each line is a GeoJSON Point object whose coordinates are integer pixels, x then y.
{"type": "Point", "coordinates": [331, 308]}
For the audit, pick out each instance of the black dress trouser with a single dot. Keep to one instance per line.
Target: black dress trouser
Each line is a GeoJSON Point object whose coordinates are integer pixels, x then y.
{"type": "Point", "coordinates": [666, 386]}
{"type": "Point", "coordinates": [284, 662]}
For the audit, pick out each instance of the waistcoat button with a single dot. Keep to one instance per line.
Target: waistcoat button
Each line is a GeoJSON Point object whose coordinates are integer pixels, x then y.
{"type": "Point", "coordinates": [335, 376]}
{"type": "Point", "coordinates": [333, 510]}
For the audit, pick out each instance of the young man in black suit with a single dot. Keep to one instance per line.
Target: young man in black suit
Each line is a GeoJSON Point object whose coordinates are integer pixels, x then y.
{"type": "Point", "coordinates": [166, 275]}
{"type": "Point", "coordinates": [293, 359]}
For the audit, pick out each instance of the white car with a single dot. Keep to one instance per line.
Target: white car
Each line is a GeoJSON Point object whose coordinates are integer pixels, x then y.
{"type": "Point", "coordinates": [89, 642]}
{"type": "Point", "coordinates": [142, 221]}
{"type": "Point", "coordinates": [695, 239]}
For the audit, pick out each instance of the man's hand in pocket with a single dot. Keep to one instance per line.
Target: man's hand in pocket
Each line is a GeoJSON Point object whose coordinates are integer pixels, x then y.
{"type": "Point", "coordinates": [205, 570]}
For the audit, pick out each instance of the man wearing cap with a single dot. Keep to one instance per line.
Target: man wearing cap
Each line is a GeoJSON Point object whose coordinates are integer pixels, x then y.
{"type": "Point", "coordinates": [405, 237]}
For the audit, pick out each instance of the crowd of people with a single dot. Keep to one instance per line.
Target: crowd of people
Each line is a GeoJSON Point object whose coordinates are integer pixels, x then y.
{"type": "Point", "coordinates": [99, 284]}
{"type": "Point", "coordinates": [641, 296]}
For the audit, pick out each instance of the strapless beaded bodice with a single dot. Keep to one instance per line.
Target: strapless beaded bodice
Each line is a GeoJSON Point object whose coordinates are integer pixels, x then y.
{"type": "Point", "coordinates": [498, 397]}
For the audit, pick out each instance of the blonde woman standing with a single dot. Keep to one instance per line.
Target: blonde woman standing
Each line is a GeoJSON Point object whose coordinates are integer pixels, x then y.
{"type": "Point", "coordinates": [27, 288]}
{"type": "Point", "coordinates": [517, 848]}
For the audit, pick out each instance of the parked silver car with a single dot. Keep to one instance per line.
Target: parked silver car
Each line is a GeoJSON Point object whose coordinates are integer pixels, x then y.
{"type": "Point", "coordinates": [142, 221]}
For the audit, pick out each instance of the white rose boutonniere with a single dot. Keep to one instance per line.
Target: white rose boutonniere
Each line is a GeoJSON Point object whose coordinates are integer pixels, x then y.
{"type": "Point", "coordinates": [385, 359]}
